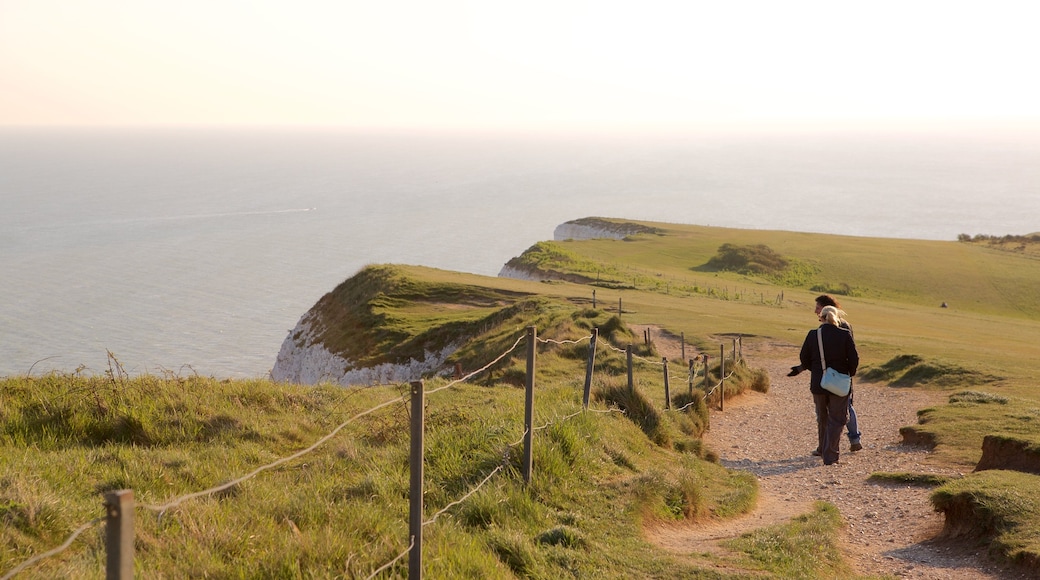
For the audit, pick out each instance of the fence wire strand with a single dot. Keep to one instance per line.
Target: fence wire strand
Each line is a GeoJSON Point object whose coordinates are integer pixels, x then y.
{"type": "Point", "coordinates": [478, 371]}
{"type": "Point", "coordinates": [465, 497]}
{"type": "Point", "coordinates": [394, 561]}
{"type": "Point", "coordinates": [167, 506]}
{"type": "Point", "coordinates": [578, 341]}
{"type": "Point", "coordinates": [55, 551]}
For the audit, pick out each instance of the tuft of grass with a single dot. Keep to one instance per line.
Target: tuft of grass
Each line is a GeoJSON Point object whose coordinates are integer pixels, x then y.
{"type": "Point", "coordinates": [914, 479]}
{"type": "Point", "coordinates": [565, 536]}
{"type": "Point", "coordinates": [807, 547]}
{"type": "Point", "coordinates": [977, 398]}
{"type": "Point", "coordinates": [638, 408]}
{"type": "Point", "coordinates": [515, 551]}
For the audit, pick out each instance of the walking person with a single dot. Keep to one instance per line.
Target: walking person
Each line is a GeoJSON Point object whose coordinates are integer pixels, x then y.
{"type": "Point", "coordinates": [822, 301]}
{"type": "Point", "coordinates": [839, 349]}
{"type": "Point", "coordinates": [854, 433]}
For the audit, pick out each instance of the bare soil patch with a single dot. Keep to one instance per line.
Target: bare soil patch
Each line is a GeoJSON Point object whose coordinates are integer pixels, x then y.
{"type": "Point", "coordinates": [890, 529]}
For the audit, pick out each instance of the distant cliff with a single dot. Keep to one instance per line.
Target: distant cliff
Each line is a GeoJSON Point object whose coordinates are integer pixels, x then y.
{"type": "Point", "coordinates": [598, 228]}
{"type": "Point", "coordinates": [536, 263]}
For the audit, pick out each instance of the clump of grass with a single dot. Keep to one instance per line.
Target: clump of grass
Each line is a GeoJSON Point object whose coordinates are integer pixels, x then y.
{"type": "Point", "coordinates": [668, 498]}
{"type": "Point", "coordinates": [914, 479]}
{"type": "Point", "coordinates": [805, 548]}
{"type": "Point", "coordinates": [638, 409]}
{"type": "Point", "coordinates": [515, 551]}
{"type": "Point", "coordinates": [977, 398]}
{"type": "Point", "coordinates": [565, 536]}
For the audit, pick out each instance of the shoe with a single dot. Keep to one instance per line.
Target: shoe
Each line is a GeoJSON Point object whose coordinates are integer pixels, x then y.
{"type": "Point", "coordinates": [816, 452]}
{"type": "Point", "coordinates": [830, 462]}
{"type": "Point", "coordinates": [855, 447]}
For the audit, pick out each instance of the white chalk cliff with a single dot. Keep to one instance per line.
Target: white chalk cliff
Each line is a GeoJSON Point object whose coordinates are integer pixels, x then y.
{"type": "Point", "coordinates": [304, 360]}
{"type": "Point", "coordinates": [582, 229]}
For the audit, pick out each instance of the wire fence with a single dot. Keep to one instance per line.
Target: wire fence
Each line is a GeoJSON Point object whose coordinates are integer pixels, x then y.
{"type": "Point", "coordinates": [115, 517]}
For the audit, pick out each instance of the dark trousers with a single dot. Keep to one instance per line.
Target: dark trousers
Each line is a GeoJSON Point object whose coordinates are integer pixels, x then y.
{"type": "Point", "coordinates": [832, 412]}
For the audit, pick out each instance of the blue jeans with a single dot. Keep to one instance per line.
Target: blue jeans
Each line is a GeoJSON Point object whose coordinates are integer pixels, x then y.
{"type": "Point", "coordinates": [853, 424]}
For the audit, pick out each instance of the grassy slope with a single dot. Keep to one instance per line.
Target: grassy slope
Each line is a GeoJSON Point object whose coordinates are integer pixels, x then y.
{"type": "Point", "coordinates": [342, 510]}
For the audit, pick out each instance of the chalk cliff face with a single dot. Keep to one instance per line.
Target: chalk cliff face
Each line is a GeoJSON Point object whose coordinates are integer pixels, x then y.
{"type": "Point", "coordinates": [304, 360]}
{"type": "Point", "coordinates": [508, 271]}
{"type": "Point", "coordinates": [349, 337]}
{"type": "Point", "coordinates": [588, 230]}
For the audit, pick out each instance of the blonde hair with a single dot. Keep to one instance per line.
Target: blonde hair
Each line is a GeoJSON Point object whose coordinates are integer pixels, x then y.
{"type": "Point", "coordinates": [832, 315]}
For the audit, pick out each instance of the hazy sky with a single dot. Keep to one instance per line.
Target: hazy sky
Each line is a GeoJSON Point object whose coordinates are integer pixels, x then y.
{"type": "Point", "coordinates": [533, 63]}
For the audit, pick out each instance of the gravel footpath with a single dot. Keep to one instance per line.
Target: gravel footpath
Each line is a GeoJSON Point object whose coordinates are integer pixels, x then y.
{"type": "Point", "coordinates": [890, 529]}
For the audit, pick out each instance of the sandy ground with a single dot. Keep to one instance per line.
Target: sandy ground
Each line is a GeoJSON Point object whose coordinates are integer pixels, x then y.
{"type": "Point", "coordinates": [890, 529]}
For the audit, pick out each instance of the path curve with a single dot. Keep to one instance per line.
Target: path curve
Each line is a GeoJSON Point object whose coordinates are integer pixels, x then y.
{"type": "Point", "coordinates": [890, 529]}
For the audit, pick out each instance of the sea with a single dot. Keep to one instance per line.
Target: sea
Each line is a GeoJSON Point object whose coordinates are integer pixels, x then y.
{"type": "Point", "coordinates": [197, 250]}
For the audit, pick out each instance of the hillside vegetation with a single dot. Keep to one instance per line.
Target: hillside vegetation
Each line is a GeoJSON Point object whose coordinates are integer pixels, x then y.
{"type": "Point", "coordinates": [341, 509]}
{"type": "Point", "coordinates": [634, 459]}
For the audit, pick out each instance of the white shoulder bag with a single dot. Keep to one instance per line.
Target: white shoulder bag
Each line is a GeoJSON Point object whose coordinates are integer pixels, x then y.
{"type": "Point", "coordinates": [838, 383]}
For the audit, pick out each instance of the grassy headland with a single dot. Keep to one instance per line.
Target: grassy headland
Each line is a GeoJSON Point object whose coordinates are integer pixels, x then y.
{"type": "Point", "coordinates": [341, 510]}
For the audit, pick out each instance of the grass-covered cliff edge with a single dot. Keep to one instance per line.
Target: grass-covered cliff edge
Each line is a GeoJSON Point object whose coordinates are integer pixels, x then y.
{"type": "Point", "coordinates": [341, 511]}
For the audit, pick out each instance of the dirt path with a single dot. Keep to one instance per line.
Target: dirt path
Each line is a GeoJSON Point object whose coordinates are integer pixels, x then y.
{"type": "Point", "coordinates": [890, 529]}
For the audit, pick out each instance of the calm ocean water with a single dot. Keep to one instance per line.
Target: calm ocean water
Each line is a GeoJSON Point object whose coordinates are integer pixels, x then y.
{"type": "Point", "coordinates": [198, 250]}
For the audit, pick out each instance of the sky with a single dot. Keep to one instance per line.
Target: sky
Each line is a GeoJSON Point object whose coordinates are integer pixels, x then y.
{"type": "Point", "coordinates": [488, 64]}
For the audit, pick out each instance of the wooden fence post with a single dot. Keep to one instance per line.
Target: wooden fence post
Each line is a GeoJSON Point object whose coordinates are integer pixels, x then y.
{"type": "Point", "coordinates": [722, 377]}
{"type": "Point", "coordinates": [532, 339]}
{"type": "Point", "coordinates": [628, 358]}
{"type": "Point", "coordinates": [119, 535]}
{"type": "Point", "coordinates": [415, 493]}
{"type": "Point", "coordinates": [691, 378]}
{"type": "Point", "coordinates": [593, 298]}
{"type": "Point", "coordinates": [705, 357]}
{"type": "Point", "coordinates": [682, 344]}
{"type": "Point", "coordinates": [667, 393]}
{"type": "Point", "coordinates": [588, 369]}
{"type": "Point", "coordinates": [619, 307]}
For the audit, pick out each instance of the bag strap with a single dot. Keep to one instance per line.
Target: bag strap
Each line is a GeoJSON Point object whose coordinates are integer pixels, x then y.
{"type": "Point", "coordinates": [819, 340]}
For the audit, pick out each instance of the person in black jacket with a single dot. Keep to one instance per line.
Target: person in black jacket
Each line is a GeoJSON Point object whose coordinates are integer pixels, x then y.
{"type": "Point", "coordinates": [853, 425]}
{"type": "Point", "coordinates": [832, 411]}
